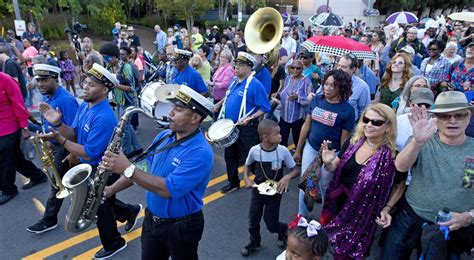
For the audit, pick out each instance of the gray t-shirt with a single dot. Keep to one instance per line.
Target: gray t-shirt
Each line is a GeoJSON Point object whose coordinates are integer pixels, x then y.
{"type": "Point", "coordinates": [269, 164]}
{"type": "Point", "coordinates": [437, 178]}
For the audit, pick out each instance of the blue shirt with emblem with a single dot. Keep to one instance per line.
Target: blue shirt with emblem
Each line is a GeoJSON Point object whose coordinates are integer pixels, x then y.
{"type": "Point", "coordinates": [94, 127]}
{"type": "Point", "coordinates": [257, 98]}
{"type": "Point", "coordinates": [191, 78]}
{"type": "Point", "coordinates": [186, 169]}
{"type": "Point", "coordinates": [66, 103]}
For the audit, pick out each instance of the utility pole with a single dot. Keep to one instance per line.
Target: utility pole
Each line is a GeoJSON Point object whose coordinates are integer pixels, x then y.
{"type": "Point", "coordinates": [16, 7]}
{"type": "Point", "coordinates": [239, 13]}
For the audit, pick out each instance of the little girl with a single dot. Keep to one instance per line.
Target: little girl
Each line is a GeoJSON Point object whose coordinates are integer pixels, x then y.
{"type": "Point", "coordinates": [67, 71]}
{"type": "Point", "coordinates": [307, 240]}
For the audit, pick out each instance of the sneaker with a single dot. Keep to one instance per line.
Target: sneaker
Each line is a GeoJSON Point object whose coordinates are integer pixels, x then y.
{"type": "Point", "coordinates": [248, 249]}
{"type": "Point", "coordinates": [41, 227]}
{"type": "Point", "coordinates": [31, 184]}
{"type": "Point", "coordinates": [102, 254]}
{"type": "Point", "coordinates": [229, 188]}
{"type": "Point", "coordinates": [281, 242]}
{"type": "Point", "coordinates": [4, 198]}
{"type": "Point", "coordinates": [133, 221]}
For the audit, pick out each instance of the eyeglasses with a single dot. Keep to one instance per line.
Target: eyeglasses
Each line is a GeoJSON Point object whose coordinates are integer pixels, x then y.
{"type": "Point", "coordinates": [393, 62]}
{"type": "Point", "coordinates": [375, 122]}
{"type": "Point", "coordinates": [446, 117]}
{"type": "Point", "coordinates": [296, 68]}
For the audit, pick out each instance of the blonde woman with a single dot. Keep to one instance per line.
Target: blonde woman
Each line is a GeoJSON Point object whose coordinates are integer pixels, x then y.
{"type": "Point", "coordinates": [358, 197]}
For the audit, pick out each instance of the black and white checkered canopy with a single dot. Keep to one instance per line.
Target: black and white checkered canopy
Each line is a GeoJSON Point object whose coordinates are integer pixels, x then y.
{"type": "Point", "coordinates": [338, 46]}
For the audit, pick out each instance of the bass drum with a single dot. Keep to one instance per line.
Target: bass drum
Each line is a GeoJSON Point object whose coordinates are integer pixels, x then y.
{"type": "Point", "coordinates": [154, 100]}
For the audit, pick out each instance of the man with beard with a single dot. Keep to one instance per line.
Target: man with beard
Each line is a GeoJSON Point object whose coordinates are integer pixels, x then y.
{"type": "Point", "coordinates": [87, 138]}
{"type": "Point", "coordinates": [57, 98]}
{"type": "Point", "coordinates": [410, 38]}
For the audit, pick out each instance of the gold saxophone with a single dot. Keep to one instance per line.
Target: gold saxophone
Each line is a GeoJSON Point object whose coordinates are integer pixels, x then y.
{"type": "Point", "coordinates": [88, 188]}
{"type": "Point", "coordinates": [49, 169]}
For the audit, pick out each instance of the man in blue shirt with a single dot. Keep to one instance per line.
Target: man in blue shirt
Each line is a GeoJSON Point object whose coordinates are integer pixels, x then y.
{"type": "Point", "coordinates": [180, 162]}
{"type": "Point", "coordinates": [87, 138]}
{"type": "Point", "coordinates": [244, 112]}
{"type": "Point", "coordinates": [160, 39]}
{"type": "Point", "coordinates": [368, 75]}
{"type": "Point", "coordinates": [186, 75]}
{"type": "Point", "coordinates": [58, 98]}
{"type": "Point", "coordinates": [262, 73]}
{"type": "Point", "coordinates": [360, 97]}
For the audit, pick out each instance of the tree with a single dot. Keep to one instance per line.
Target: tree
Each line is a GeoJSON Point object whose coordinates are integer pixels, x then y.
{"type": "Point", "coordinates": [222, 5]}
{"type": "Point", "coordinates": [184, 9]}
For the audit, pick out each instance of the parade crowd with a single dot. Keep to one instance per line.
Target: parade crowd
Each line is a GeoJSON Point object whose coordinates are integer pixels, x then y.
{"type": "Point", "coordinates": [383, 145]}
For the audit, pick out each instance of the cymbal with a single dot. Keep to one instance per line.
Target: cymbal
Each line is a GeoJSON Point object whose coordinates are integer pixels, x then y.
{"type": "Point", "coordinates": [162, 93]}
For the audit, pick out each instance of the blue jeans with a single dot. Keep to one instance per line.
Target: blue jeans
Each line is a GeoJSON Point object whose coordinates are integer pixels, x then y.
{"type": "Point", "coordinates": [403, 237]}
{"type": "Point", "coordinates": [130, 141]}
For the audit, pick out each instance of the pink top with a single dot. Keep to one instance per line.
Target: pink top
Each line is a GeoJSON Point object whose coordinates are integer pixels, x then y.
{"type": "Point", "coordinates": [29, 53]}
{"type": "Point", "coordinates": [13, 114]}
{"type": "Point", "coordinates": [222, 79]}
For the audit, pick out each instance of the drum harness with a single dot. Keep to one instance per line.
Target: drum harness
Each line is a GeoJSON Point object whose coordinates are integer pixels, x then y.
{"type": "Point", "coordinates": [243, 108]}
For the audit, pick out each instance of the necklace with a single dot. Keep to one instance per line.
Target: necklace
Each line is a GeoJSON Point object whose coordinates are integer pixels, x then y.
{"type": "Point", "coordinates": [371, 145]}
{"type": "Point", "coordinates": [277, 162]}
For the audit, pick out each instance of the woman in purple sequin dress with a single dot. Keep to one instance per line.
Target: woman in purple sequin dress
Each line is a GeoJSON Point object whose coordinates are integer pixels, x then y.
{"type": "Point", "coordinates": [358, 197]}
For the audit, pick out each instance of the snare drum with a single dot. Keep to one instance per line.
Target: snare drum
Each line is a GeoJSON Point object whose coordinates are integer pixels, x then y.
{"type": "Point", "coordinates": [223, 133]}
{"type": "Point", "coordinates": [153, 99]}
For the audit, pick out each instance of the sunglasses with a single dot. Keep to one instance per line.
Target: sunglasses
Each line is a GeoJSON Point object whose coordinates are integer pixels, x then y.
{"type": "Point", "coordinates": [449, 116]}
{"type": "Point", "coordinates": [375, 122]}
{"type": "Point", "coordinates": [397, 62]}
{"type": "Point", "coordinates": [296, 68]}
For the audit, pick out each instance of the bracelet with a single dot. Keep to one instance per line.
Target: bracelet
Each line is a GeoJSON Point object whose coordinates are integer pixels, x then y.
{"type": "Point", "coordinates": [65, 140]}
{"type": "Point", "coordinates": [58, 125]}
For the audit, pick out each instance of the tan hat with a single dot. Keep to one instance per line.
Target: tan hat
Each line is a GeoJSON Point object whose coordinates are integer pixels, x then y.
{"type": "Point", "coordinates": [451, 101]}
{"type": "Point", "coordinates": [422, 96]}
{"type": "Point", "coordinates": [130, 28]}
{"type": "Point", "coordinates": [215, 27]}
{"type": "Point", "coordinates": [408, 49]}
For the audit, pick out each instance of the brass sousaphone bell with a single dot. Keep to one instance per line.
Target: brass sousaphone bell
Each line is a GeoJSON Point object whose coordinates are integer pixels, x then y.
{"type": "Point", "coordinates": [263, 30]}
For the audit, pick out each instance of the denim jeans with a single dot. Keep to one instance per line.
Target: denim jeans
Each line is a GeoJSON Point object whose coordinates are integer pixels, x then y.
{"type": "Point", "coordinates": [130, 141]}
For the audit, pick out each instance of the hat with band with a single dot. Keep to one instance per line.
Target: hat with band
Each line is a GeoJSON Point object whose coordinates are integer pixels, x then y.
{"type": "Point", "coordinates": [102, 75]}
{"type": "Point", "coordinates": [189, 98]}
{"type": "Point", "coordinates": [422, 96]}
{"type": "Point", "coordinates": [246, 58]}
{"type": "Point", "coordinates": [45, 71]}
{"type": "Point", "coordinates": [450, 101]}
{"type": "Point", "coordinates": [182, 54]}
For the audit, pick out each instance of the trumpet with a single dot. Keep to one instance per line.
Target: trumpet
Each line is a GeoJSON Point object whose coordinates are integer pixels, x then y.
{"type": "Point", "coordinates": [49, 169]}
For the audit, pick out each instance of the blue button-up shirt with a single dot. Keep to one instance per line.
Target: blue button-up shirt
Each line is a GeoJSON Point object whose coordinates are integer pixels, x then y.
{"type": "Point", "coordinates": [186, 169]}
{"type": "Point", "coordinates": [369, 77]}
{"type": "Point", "coordinates": [94, 127]}
{"type": "Point", "coordinates": [160, 41]}
{"type": "Point", "coordinates": [66, 103]}
{"type": "Point", "coordinates": [360, 97]}
{"type": "Point", "coordinates": [191, 78]}
{"type": "Point", "coordinates": [257, 98]}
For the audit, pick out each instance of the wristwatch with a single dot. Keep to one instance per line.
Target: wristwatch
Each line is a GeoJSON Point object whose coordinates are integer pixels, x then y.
{"type": "Point", "coordinates": [129, 171]}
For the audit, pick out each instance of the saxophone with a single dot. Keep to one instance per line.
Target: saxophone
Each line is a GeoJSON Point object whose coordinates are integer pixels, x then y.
{"type": "Point", "coordinates": [48, 167]}
{"type": "Point", "coordinates": [88, 190]}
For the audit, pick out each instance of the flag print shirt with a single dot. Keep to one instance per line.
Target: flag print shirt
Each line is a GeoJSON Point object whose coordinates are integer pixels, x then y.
{"type": "Point", "coordinates": [328, 120]}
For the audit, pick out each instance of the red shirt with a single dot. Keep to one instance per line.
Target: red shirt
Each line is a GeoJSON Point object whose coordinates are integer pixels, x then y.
{"type": "Point", "coordinates": [13, 114]}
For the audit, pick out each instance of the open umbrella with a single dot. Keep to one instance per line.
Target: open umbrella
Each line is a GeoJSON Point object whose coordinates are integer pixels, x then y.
{"type": "Point", "coordinates": [463, 16]}
{"type": "Point", "coordinates": [326, 20]}
{"type": "Point", "coordinates": [338, 46]}
{"type": "Point", "coordinates": [402, 17]}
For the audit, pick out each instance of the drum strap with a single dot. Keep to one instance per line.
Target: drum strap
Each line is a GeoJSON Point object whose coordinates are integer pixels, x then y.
{"type": "Point", "coordinates": [150, 151]}
{"type": "Point", "coordinates": [243, 104]}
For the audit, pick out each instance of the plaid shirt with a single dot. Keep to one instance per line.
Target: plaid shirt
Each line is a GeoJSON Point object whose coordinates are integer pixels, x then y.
{"type": "Point", "coordinates": [292, 110]}
{"type": "Point", "coordinates": [439, 72]}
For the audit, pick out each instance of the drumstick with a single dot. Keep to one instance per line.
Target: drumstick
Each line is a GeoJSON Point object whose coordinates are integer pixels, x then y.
{"type": "Point", "coordinates": [240, 120]}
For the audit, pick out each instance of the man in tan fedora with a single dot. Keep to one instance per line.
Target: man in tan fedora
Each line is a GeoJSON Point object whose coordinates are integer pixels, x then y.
{"type": "Point", "coordinates": [441, 159]}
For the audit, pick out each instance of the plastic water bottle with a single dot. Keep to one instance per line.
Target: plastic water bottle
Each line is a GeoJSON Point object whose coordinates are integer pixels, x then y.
{"type": "Point", "coordinates": [444, 215]}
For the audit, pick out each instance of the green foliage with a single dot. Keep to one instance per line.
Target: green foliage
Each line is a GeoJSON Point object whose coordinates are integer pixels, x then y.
{"type": "Point", "coordinates": [149, 20]}
{"type": "Point", "coordinates": [184, 9]}
{"type": "Point", "coordinates": [104, 14]}
{"type": "Point", "coordinates": [6, 8]}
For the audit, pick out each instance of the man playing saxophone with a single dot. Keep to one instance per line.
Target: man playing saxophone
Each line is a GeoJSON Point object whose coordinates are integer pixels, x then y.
{"type": "Point", "coordinates": [180, 162]}
{"type": "Point", "coordinates": [87, 138]}
{"type": "Point", "coordinates": [56, 97]}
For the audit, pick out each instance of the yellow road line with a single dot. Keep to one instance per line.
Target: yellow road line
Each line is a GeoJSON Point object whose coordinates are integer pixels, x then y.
{"type": "Point", "coordinates": [39, 206]}
{"type": "Point", "coordinates": [138, 232]}
{"type": "Point", "coordinates": [73, 241]}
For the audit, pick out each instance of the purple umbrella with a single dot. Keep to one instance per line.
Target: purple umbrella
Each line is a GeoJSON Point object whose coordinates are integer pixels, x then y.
{"type": "Point", "coordinates": [402, 17]}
